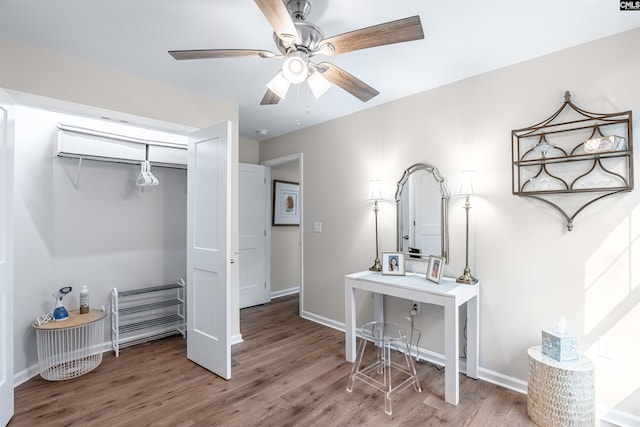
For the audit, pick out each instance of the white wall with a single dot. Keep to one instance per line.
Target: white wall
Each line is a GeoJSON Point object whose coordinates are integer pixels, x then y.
{"type": "Point", "coordinates": [532, 270]}
{"type": "Point", "coordinates": [44, 78]}
{"type": "Point", "coordinates": [106, 233]}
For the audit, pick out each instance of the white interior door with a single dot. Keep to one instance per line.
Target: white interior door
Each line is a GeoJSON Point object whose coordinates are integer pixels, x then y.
{"type": "Point", "coordinates": [6, 258]}
{"type": "Point", "coordinates": [427, 215]}
{"type": "Point", "coordinates": [254, 288]}
{"type": "Point", "coordinates": [208, 249]}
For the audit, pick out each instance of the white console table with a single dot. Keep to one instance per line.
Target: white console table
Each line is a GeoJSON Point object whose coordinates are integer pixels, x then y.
{"type": "Point", "coordinates": [447, 294]}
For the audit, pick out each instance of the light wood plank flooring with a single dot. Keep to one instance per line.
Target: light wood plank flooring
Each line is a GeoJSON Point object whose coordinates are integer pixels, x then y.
{"type": "Point", "coordinates": [287, 372]}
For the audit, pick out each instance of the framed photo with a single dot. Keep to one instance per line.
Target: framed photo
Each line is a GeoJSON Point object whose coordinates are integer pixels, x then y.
{"type": "Point", "coordinates": [434, 269]}
{"type": "Point", "coordinates": [393, 263]}
{"type": "Point", "coordinates": [286, 203]}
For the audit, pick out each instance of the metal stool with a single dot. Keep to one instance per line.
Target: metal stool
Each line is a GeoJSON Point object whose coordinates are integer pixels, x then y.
{"type": "Point", "coordinates": [384, 336]}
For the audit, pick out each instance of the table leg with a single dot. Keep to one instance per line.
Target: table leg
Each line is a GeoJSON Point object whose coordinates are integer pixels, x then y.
{"type": "Point", "coordinates": [350, 321]}
{"type": "Point", "coordinates": [451, 352]}
{"type": "Point", "coordinates": [378, 307]}
{"type": "Point", "coordinates": [473, 320]}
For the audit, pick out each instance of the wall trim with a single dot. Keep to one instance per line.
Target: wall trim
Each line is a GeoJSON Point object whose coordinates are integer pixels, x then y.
{"type": "Point", "coordinates": [616, 417]}
{"type": "Point", "coordinates": [603, 413]}
{"type": "Point", "coordinates": [322, 320]}
{"type": "Point", "coordinates": [285, 292]}
{"type": "Point", "coordinates": [609, 415]}
{"type": "Point", "coordinates": [236, 339]}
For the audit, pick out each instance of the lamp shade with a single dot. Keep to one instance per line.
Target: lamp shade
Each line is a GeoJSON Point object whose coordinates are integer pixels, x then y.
{"type": "Point", "coordinates": [318, 84]}
{"type": "Point", "coordinates": [468, 187]}
{"type": "Point", "coordinates": [375, 193]}
{"type": "Point", "coordinates": [279, 85]}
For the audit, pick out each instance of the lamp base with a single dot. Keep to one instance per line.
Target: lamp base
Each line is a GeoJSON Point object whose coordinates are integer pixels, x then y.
{"type": "Point", "coordinates": [377, 266]}
{"type": "Point", "coordinates": [467, 278]}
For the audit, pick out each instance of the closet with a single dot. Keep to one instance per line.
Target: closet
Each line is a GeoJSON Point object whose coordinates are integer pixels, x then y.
{"type": "Point", "coordinates": [143, 311]}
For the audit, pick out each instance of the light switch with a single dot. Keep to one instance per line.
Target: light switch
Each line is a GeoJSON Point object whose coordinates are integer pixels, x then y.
{"type": "Point", "coordinates": [317, 227]}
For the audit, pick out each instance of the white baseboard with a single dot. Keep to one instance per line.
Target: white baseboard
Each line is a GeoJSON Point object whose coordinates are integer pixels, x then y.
{"type": "Point", "coordinates": [609, 415]}
{"type": "Point", "coordinates": [502, 380]}
{"type": "Point", "coordinates": [618, 418]}
{"type": "Point", "coordinates": [33, 370]}
{"type": "Point", "coordinates": [236, 339]}
{"type": "Point", "coordinates": [25, 375]}
{"type": "Point", "coordinates": [285, 292]}
{"type": "Point", "coordinates": [322, 320]}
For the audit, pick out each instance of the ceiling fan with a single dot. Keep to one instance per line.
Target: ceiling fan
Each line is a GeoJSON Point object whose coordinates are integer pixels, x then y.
{"type": "Point", "coordinates": [299, 40]}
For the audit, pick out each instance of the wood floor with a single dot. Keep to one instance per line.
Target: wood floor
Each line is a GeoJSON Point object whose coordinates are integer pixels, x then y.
{"type": "Point", "coordinates": [287, 372]}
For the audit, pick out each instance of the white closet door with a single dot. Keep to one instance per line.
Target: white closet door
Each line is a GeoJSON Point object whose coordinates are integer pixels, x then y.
{"type": "Point", "coordinates": [254, 289]}
{"type": "Point", "coordinates": [6, 257]}
{"type": "Point", "coordinates": [208, 249]}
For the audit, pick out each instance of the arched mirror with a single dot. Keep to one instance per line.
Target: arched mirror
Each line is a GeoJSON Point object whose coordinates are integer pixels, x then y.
{"type": "Point", "coordinates": [422, 201]}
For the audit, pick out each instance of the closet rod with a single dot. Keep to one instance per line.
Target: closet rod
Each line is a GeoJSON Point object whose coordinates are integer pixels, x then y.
{"type": "Point", "coordinates": [86, 131]}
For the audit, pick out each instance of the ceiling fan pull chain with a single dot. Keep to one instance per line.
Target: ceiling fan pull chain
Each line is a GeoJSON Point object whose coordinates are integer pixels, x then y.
{"type": "Point", "coordinates": [298, 121]}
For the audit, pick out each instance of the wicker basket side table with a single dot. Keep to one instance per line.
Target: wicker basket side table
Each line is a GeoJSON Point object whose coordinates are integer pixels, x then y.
{"type": "Point", "coordinates": [560, 393]}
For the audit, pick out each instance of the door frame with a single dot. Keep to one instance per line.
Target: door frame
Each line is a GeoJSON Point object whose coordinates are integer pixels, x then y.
{"type": "Point", "coordinates": [7, 374]}
{"type": "Point", "coordinates": [276, 162]}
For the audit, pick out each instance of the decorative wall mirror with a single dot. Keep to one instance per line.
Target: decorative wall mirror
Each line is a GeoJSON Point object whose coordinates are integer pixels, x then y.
{"type": "Point", "coordinates": [422, 201]}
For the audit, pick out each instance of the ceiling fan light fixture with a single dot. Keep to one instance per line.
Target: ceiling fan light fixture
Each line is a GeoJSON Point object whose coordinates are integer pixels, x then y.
{"type": "Point", "coordinates": [318, 84]}
{"type": "Point", "coordinates": [279, 85]}
{"type": "Point", "coordinates": [295, 68]}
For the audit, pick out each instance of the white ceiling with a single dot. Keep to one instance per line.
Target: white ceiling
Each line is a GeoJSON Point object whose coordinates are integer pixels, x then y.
{"type": "Point", "coordinates": [462, 39]}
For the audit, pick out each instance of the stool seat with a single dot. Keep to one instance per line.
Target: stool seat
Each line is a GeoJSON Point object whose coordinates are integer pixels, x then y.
{"type": "Point", "coordinates": [384, 335]}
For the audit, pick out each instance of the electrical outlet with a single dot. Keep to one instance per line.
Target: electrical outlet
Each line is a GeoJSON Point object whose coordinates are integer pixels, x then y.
{"type": "Point", "coordinates": [605, 349]}
{"type": "Point", "coordinates": [415, 308]}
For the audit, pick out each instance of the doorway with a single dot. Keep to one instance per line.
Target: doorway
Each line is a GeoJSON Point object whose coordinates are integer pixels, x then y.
{"type": "Point", "coordinates": [285, 251]}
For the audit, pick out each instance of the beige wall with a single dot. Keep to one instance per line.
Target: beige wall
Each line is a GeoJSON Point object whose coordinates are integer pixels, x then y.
{"type": "Point", "coordinates": [532, 270]}
{"type": "Point", "coordinates": [249, 151]}
{"type": "Point", "coordinates": [285, 240]}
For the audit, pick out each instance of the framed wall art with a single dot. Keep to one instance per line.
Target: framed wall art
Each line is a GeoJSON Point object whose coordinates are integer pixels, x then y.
{"type": "Point", "coordinates": [286, 203]}
{"type": "Point", "coordinates": [393, 263]}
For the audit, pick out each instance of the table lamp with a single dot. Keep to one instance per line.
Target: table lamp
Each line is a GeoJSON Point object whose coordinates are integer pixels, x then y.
{"type": "Point", "coordinates": [374, 195]}
{"type": "Point", "coordinates": [467, 189]}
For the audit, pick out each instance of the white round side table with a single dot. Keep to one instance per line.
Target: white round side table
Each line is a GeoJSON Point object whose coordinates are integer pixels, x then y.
{"type": "Point", "coordinates": [560, 393]}
{"type": "Point", "coordinates": [72, 347]}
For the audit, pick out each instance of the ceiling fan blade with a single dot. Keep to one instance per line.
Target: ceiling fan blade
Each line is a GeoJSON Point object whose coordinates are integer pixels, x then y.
{"type": "Point", "coordinates": [346, 81]}
{"type": "Point", "coordinates": [269, 98]}
{"type": "Point", "coordinates": [278, 16]}
{"type": "Point", "coordinates": [402, 30]}
{"type": "Point", "coordinates": [220, 53]}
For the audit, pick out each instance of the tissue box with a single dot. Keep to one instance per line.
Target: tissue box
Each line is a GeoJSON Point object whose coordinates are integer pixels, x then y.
{"type": "Point", "coordinates": [560, 347]}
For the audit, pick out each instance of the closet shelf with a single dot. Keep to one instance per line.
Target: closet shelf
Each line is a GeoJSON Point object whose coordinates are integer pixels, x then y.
{"type": "Point", "coordinates": [82, 143]}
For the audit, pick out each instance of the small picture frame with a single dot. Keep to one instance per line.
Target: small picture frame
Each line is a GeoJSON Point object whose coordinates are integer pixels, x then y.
{"type": "Point", "coordinates": [393, 263]}
{"type": "Point", "coordinates": [434, 268]}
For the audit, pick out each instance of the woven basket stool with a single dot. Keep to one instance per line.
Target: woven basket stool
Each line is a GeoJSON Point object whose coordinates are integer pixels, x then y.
{"type": "Point", "coordinates": [560, 393]}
